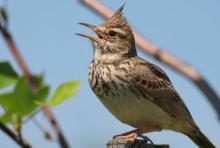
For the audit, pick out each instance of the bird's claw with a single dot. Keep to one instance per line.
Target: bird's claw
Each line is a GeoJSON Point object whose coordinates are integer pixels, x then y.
{"type": "Point", "coordinates": [146, 138]}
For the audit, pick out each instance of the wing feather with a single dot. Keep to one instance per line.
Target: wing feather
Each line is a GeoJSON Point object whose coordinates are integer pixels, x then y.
{"type": "Point", "coordinates": [155, 83]}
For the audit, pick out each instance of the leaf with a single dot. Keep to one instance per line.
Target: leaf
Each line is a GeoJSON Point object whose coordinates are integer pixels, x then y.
{"type": "Point", "coordinates": [4, 14]}
{"type": "Point", "coordinates": [21, 102]}
{"type": "Point", "coordinates": [64, 92]}
{"type": "Point", "coordinates": [25, 98]}
{"type": "Point", "coordinates": [6, 69]}
{"type": "Point", "coordinates": [5, 118]}
{"type": "Point", "coordinates": [7, 75]}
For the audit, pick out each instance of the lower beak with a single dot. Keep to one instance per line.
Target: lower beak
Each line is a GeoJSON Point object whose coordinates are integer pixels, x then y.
{"type": "Point", "coordinates": [93, 38]}
{"type": "Point", "coordinates": [93, 28]}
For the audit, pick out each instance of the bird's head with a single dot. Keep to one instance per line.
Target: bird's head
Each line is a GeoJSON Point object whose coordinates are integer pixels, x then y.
{"type": "Point", "coordinates": [114, 40]}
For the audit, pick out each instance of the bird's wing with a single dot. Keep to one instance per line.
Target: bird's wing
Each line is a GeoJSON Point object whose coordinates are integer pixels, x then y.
{"type": "Point", "coordinates": [153, 82]}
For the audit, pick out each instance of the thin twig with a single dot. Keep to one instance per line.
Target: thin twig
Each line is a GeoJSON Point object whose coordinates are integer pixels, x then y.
{"type": "Point", "coordinates": [164, 57]}
{"type": "Point", "coordinates": [14, 50]}
{"type": "Point", "coordinates": [46, 133]}
{"type": "Point", "coordinates": [13, 136]}
{"type": "Point", "coordinates": [56, 126]}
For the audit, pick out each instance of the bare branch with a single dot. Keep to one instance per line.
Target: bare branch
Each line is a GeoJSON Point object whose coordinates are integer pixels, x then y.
{"type": "Point", "coordinates": [54, 123]}
{"type": "Point", "coordinates": [13, 136]}
{"type": "Point", "coordinates": [165, 57]}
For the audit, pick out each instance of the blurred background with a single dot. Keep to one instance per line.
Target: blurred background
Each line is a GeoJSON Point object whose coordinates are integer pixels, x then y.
{"type": "Point", "coordinates": [45, 33]}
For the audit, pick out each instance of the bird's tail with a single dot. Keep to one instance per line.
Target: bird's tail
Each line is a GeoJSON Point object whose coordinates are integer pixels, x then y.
{"type": "Point", "coordinates": [200, 139]}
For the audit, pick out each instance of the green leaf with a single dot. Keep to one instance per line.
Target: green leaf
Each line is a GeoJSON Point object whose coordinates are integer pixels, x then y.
{"type": "Point", "coordinates": [5, 118]}
{"type": "Point", "coordinates": [7, 75]}
{"type": "Point", "coordinates": [4, 14]}
{"type": "Point", "coordinates": [6, 69]}
{"type": "Point", "coordinates": [21, 102]}
{"type": "Point", "coordinates": [64, 92]}
{"type": "Point", "coordinates": [25, 97]}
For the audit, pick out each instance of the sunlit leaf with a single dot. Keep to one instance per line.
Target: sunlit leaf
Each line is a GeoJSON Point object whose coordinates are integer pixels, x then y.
{"type": "Point", "coordinates": [7, 74]}
{"type": "Point", "coordinates": [64, 92]}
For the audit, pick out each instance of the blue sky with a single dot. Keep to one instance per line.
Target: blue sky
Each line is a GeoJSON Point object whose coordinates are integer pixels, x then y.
{"type": "Point", "coordinates": [45, 34]}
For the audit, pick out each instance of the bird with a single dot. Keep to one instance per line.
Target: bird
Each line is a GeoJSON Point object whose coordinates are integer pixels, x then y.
{"type": "Point", "coordinates": [135, 91]}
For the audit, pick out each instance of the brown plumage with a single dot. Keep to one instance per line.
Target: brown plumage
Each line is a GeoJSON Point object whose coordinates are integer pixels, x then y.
{"type": "Point", "coordinates": [136, 91]}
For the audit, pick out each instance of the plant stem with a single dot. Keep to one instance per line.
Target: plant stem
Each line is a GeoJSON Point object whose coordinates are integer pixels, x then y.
{"type": "Point", "coordinates": [20, 61]}
{"type": "Point", "coordinates": [13, 136]}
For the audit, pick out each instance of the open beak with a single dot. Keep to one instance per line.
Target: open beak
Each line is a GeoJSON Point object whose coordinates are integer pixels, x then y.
{"type": "Point", "coordinates": [93, 38]}
{"type": "Point", "coordinates": [93, 28]}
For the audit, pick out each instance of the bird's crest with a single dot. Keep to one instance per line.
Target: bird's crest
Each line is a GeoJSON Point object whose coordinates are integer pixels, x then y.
{"type": "Point", "coordinates": [118, 20]}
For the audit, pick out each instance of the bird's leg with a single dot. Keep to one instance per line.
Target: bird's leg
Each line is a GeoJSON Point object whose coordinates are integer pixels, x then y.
{"type": "Point", "coordinates": [147, 131]}
{"type": "Point", "coordinates": [132, 135]}
{"type": "Point", "coordinates": [129, 136]}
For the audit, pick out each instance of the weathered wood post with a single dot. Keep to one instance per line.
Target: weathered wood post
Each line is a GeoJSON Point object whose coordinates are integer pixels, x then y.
{"type": "Point", "coordinates": [139, 143]}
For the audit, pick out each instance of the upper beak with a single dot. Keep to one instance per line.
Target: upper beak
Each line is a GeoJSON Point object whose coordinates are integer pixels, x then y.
{"type": "Point", "coordinates": [89, 26]}
{"type": "Point", "coordinates": [93, 28]}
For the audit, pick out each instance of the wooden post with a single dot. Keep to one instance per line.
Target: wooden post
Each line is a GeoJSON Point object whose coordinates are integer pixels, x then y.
{"type": "Point", "coordinates": [139, 143]}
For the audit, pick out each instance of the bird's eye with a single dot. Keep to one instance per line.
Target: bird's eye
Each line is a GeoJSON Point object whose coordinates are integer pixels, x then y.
{"type": "Point", "coordinates": [112, 33]}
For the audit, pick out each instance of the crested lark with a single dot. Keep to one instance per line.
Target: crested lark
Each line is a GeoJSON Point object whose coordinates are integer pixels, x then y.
{"type": "Point", "coordinates": [136, 91]}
